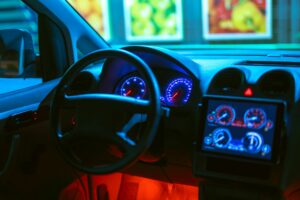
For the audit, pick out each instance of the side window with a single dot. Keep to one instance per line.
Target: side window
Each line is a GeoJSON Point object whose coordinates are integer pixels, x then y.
{"type": "Point", "coordinates": [18, 47]}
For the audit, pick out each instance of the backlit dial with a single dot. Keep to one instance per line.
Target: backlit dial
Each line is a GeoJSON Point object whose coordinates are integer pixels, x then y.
{"type": "Point", "coordinates": [253, 142]}
{"type": "Point", "coordinates": [133, 87]}
{"type": "Point", "coordinates": [255, 118]}
{"type": "Point", "coordinates": [178, 91]}
{"type": "Point", "coordinates": [221, 138]}
{"type": "Point", "coordinates": [225, 115]}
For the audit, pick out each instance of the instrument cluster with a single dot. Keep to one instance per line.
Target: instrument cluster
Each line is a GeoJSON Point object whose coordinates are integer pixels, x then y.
{"type": "Point", "coordinates": [252, 142]}
{"type": "Point", "coordinates": [175, 90]}
{"type": "Point", "coordinates": [255, 118]}
{"type": "Point", "coordinates": [240, 128]}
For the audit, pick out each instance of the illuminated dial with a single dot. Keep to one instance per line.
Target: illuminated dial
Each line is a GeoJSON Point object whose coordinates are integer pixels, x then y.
{"type": "Point", "coordinates": [265, 149]}
{"type": "Point", "coordinates": [253, 142]}
{"type": "Point", "coordinates": [225, 115]}
{"type": "Point", "coordinates": [221, 138]}
{"type": "Point", "coordinates": [255, 118]}
{"type": "Point", "coordinates": [210, 118]}
{"type": "Point", "coordinates": [133, 87]}
{"type": "Point", "coordinates": [178, 91]}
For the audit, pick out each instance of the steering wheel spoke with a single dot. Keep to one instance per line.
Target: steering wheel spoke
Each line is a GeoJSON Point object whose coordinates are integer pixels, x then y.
{"type": "Point", "coordinates": [125, 142]}
{"type": "Point", "coordinates": [111, 101]}
{"type": "Point", "coordinates": [122, 137]}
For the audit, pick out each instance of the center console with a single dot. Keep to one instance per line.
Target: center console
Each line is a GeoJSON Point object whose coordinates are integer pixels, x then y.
{"type": "Point", "coordinates": [240, 141]}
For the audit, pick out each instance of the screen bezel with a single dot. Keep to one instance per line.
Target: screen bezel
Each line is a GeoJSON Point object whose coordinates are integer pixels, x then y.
{"type": "Point", "coordinates": [278, 132]}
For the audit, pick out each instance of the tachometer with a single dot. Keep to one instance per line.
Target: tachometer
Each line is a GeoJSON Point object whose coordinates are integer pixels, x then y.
{"type": "Point", "coordinates": [133, 87]}
{"type": "Point", "coordinates": [178, 91]}
{"type": "Point", "coordinates": [255, 118]}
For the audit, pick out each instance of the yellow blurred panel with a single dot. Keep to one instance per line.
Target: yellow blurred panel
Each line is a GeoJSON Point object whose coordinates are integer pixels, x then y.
{"type": "Point", "coordinates": [95, 12]}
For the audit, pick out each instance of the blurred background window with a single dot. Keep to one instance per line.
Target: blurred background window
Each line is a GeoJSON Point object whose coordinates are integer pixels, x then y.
{"type": "Point", "coordinates": [15, 14]}
{"type": "Point", "coordinates": [16, 73]}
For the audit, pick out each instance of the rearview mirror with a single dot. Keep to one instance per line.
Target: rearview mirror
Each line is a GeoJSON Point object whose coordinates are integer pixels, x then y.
{"type": "Point", "coordinates": [16, 52]}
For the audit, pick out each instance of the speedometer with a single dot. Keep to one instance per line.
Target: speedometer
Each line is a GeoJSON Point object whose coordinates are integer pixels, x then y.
{"type": "Point", "coordinates": [133, 87]}
{"type": "Point", "coordinates": [178, 91]}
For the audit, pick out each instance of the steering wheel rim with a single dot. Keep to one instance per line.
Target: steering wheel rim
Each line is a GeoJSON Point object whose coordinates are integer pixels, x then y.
{"type": "Point", "coordinates": [153, 107]}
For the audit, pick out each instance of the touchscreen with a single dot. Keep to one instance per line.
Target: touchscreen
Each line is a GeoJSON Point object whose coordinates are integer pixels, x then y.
{"type": "Point", "coordinates": [240, 128]}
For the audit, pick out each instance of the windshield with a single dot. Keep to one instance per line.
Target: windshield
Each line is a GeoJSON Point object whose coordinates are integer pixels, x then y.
{"type": "Point", "coordinates": [206, 23]}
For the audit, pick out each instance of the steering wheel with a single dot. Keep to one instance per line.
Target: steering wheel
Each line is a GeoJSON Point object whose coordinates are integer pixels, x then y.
{"type": "Point", "coordinates": [98, 116]}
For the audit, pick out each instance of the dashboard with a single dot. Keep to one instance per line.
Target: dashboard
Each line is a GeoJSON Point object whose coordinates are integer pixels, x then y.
{"type": "Point", "coordinates": [185, 76]}
{"type": "Point", "coordinates": [230, 110]}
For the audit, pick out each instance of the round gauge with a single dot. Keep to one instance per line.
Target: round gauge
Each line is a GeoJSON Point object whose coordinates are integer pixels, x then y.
{"type": "Point", "coordinates": [178, 91]}
{"type": "Point", "coordinates": [211, 118]}
{"type": "Point", "coordinates": [221, 138]}
{"type": "Point", "coordinates": [265, 149]}
{"type": "Point", "coordinates": [133, 87]}
{"type": "Point", "coordinates": [253, 142]}
{"type": "Point", "coordinates": [225, 115]}
{"type": "Point", "coordinates": [207, 140]}
{"type": "Point", "coordinates": [255, 118]}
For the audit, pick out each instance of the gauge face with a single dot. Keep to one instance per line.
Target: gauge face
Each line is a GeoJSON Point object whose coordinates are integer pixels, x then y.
{"type": "Point", "coordinates": [253, 142]}
{"type": "Point", "coordinates": [221, 138]}
{"type": "Point", "coordinates": [266, 149]}
{"type": "Point", "coordinates": [133, 87]}
{"type": "Point", "coordinates": [178, 91]}
{"type": "Point", "coordinates": [225, 115]}
{"type": "Point", "coordinates": [255, 118]}
{"type": "Point", "coordinates": [211, 118]}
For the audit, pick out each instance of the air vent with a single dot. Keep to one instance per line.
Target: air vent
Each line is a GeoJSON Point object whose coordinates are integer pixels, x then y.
{"type": "Point", "coordinates": [277, 83]}
{"type": "Point", "coordinates": [229, 80]}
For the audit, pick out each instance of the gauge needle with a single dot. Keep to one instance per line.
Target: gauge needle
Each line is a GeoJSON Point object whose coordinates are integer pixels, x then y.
{"type": "Point", "coordinates": [128, 93]}
{"type": "Point", "coordinates": [253, 118]}
{"type": "Point", "coordinates": [251, 140]}
{"type": "Point", "coordinates": [175, 95]}
{"type": "Point", "coordinates": [219, 139]}
{"type": "Point", "coordinates": [223, 116]}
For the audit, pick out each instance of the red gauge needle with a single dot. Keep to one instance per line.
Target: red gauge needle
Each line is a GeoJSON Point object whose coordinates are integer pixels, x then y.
{"type": "Point", "coordinates": [175, 95]}
{"type": "Point", "coordinates": [128, 93]}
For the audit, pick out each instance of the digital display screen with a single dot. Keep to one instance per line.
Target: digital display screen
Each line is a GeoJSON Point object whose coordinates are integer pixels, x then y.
{"type": "Point", "coordinates": [240, 128]}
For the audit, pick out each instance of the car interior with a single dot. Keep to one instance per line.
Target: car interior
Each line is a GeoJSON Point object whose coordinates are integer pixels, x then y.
{"type": "Point", "coordinates": [147, 100]}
